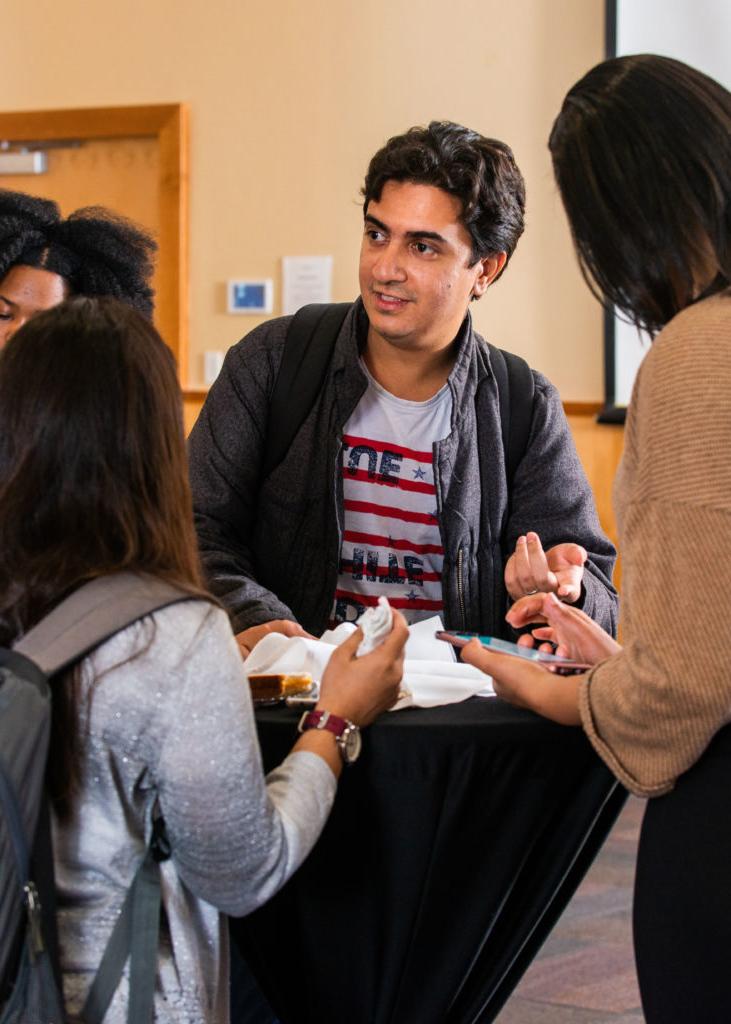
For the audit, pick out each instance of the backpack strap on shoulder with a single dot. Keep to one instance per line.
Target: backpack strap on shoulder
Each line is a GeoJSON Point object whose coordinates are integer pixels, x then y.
{"type": "Point", "coordinates": [308, 350]}
{"type": "Point", "coordinates": [516, 391]}
{"type": "Point", "coordinates": [75, 627]}
{"type": "Point", "coordinates": [92, 614]}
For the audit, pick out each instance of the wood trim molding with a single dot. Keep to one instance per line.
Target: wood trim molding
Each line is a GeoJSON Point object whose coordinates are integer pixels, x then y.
{"type": "Point", "coordinates": [570, 408]}
{"type": "Point", "coordinates": [581, 408]}
{"type": "Point", "coordinates": [168, 123]}
{"type": "Point", "coordinates": [86, 122]}
{"type": "Point", "coordinates": [172, 300]}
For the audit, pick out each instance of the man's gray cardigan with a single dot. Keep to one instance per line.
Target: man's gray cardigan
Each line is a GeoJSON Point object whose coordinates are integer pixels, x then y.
{"type": "Point", "coordinates": [271, 548]}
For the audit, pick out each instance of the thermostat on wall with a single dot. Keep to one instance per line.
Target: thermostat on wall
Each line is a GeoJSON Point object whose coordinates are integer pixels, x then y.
{"type": "Point", "coordinates": [250, 296]}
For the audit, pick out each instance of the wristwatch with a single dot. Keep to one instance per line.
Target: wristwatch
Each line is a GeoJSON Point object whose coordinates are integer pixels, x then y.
{"type": "Point", "coordinates": [347, 734]}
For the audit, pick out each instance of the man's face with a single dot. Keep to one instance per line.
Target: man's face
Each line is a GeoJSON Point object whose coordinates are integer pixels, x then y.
{"type": "Point", "coordinates": [415, 275]}
{"type": "Point", "coordinates": [25, 291]}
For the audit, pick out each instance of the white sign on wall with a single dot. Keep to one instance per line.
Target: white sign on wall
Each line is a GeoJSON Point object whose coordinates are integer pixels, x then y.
{"type": "Point", "coordinates": [305, 279]}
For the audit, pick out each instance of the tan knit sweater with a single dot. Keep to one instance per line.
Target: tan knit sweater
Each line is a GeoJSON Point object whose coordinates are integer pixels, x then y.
{"type": "Point", "coordinates": [651, 711]}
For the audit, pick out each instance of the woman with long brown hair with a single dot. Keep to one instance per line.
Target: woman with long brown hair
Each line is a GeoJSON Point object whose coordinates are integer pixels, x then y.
{"type": "Point", "coordinates": [93, 481]}
{"type": "Point", "coordinates": [642, 155]}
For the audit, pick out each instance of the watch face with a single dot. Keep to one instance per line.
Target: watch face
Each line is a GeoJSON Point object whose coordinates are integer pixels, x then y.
{"type": "Point", "coordinates": [350, 744]}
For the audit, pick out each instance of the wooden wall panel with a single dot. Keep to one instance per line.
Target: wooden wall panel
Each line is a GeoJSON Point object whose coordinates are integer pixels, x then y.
{"type": "Point", "coordinates": [600, 449]}
{"type": "Point", "coordinates": [192, 404]}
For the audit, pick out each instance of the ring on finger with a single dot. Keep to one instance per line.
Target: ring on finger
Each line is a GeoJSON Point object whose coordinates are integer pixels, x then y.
{"type": "Point", "coordinates": [530, 593]}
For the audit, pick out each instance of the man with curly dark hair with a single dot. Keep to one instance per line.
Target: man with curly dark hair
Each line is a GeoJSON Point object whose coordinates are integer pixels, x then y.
{"type": "Point", "coordinates": [399, 481]}
{"type": "Point", "coordinates": [44, 258]}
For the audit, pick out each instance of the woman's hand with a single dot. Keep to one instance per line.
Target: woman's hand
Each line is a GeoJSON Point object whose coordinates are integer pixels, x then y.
{"type": "Point", "coordinates": [527, 684]}
{"type": "Point", "coordinates": [531, 570]}
{"type": "Point", "coordinates": [575, 635]}
{"type": "Point", "coordinates": [359, 689]}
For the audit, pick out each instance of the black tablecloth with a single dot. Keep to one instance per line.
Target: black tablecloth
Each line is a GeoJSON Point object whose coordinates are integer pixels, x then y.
{"type": "Point", "coordinates": [454, 844]}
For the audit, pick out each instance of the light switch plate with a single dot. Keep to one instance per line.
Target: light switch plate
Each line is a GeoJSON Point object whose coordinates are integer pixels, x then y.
{"type": "Point", "coordinates": [250, 296]}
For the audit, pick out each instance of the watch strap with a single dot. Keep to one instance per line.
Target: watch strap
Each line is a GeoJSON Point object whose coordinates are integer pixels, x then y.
{"type": "Point", "coordinates": [323, 720]}
{"type": "Point", "coordinates": [346, 733]}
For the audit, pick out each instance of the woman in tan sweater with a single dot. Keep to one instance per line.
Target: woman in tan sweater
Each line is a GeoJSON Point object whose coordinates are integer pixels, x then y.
{"type": "Point", "coordinates": [642, 157]}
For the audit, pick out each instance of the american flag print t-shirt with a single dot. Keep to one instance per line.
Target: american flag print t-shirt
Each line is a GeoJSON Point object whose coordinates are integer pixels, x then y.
{"type": "Point", "coordinates": [391, 539]}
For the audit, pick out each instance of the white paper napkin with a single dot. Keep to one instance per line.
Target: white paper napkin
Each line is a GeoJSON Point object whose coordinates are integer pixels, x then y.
{"type": "Point", "coordinates": [423, 645]}
{"type": "Point", "coordinates": [290, 654]}
{"type": "Point", "coordinates": [375, 624]}
{"type": "Point", "coordinates": [432, 675]}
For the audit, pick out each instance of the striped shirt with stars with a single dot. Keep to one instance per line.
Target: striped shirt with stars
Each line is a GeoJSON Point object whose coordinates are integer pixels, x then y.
{"type": "Point", "coordinates": [392, 543]}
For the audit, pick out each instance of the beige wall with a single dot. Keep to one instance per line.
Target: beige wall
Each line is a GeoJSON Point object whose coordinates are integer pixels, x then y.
{"type": "Point", "coordinates": [289, 99]}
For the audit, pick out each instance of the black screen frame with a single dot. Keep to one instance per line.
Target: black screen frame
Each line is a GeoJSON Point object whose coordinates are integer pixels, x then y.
{"type": "Point", "coordinates": [610, 411]}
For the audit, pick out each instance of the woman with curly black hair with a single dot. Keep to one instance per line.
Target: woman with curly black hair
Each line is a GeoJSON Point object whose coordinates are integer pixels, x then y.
{"type": "Point", "coordinates": [44, 258]}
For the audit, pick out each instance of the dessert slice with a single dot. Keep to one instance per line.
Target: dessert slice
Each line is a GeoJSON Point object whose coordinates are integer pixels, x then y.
{"type": "Point", "coordinates": [277, 685]}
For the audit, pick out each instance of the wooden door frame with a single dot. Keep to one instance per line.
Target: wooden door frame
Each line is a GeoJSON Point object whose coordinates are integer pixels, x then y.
{"type": "Point", "coordinates": [168, 123]}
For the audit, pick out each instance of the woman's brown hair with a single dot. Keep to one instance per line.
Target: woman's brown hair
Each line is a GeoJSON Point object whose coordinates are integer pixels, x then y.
{"type": "Point", "coordinates": [93, 470]}
{"type": "Point", "coordinates": [642, 156]}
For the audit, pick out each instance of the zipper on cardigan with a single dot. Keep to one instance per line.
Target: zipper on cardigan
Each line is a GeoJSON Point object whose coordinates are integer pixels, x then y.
{"type": "Point", "coordinates": [460, 588]}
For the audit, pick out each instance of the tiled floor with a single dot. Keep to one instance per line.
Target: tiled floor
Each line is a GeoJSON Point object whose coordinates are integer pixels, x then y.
{"type": "Point", "coordinates": [585, 973]}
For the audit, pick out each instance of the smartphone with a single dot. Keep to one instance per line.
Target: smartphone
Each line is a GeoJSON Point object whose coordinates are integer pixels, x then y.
{"type": "Point", "coordinates": [494, 643]}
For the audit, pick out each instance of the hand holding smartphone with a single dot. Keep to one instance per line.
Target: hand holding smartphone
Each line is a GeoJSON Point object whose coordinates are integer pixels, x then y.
{"type": "Point", "coordinates": [493, 643]}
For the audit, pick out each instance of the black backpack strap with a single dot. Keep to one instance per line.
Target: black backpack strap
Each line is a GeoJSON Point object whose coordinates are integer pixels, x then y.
{"type": "Point", "coordinates": [92, 614]}
{"type": "Point", "coordinates": [308, 349]}
{"type": "Point", "coordinates": [135, 936]}
{"type": "Point", "coordinates": [41, 870]}
{"type": "Point", "coordinates": [516, 390]}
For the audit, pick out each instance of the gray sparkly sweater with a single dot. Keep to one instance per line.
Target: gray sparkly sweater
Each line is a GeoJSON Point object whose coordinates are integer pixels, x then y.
{"type": "Point", "coordinates": [171, 720]}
